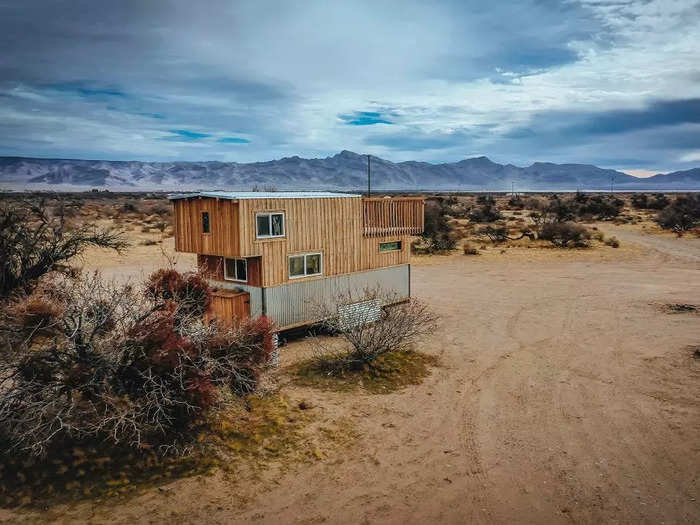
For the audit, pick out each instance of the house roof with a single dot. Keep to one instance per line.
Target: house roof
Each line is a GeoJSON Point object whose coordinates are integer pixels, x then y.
{"type": "Point", "coordinates": [240, 195]}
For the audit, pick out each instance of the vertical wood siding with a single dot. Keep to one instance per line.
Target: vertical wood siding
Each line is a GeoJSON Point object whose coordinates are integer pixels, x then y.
{"type": "Point", "coordinates": [223, 238]}
{"type": "Point", "coordinates": [229, 308]}
{"type": "Point", "coordinates": [212, 266]}
{"type": "Point", "coordinates": [332, 226]}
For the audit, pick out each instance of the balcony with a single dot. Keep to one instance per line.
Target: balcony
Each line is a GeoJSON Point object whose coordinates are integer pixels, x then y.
{"type": "Point", "coordinates": [392, 216]}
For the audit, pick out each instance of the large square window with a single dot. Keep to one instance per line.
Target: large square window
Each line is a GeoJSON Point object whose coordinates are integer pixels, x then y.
{"type": "Point", "coordinates": [269, 225]}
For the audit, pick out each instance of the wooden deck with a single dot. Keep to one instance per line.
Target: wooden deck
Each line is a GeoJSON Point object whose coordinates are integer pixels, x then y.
{"type": "Point", "coordinates": [392, 216]}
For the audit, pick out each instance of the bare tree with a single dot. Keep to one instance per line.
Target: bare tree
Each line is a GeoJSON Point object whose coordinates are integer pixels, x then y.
{"type": "Point", "coordinates": [369, 329]}
{"type": "Point", "coordinates": [34, 242]}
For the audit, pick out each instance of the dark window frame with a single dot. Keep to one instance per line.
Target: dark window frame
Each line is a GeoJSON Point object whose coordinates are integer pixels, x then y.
{"type": "Point", "coordinates": [385, 243]}
{"type": "Point", "coordinates": [206, 222]}
{"type": "Point", "coordinates": [235, 278]}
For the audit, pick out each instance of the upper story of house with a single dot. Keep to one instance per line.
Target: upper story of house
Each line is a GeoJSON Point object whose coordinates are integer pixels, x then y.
{"type": "Point", "coordinates": [284, 236]}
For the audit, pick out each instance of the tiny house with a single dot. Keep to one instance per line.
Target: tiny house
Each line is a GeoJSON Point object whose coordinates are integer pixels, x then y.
{"type": "Point", "coordinates": [281, 253]}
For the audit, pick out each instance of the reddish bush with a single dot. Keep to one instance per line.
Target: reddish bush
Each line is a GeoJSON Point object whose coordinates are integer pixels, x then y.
{"type": "Point", "coordinates": [190, 291]}
{"type": "Point", "coordinates": [123, 365]}
{"type": "Point", "coordinates": [36, 312]}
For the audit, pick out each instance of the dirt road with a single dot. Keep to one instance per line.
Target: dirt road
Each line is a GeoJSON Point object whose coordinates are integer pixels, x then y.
{"type": "Point", "coordinates": [685, 248]}
{"type": "Point", "coordinates": [565, 395]}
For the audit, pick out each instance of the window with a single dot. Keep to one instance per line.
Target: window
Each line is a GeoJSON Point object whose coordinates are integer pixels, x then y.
{"type": "Point", "coordinates": [392, 246]}
{"type": "Point", "coordinates": [305, 265]}
{"type": "Point", "coordinates": [269, 225]}
{"type": "Point", "coordinates": [236, 270]}
{"type": "Point", "coordinates": [205, 222]}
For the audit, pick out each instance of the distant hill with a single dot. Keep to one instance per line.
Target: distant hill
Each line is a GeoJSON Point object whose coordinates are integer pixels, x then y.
{"type": "Point", "coordinates": [345, 170]}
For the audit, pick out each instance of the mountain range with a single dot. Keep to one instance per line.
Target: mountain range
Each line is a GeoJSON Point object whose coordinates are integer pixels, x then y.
{"type": "Point", "coordinates": [343, 171]}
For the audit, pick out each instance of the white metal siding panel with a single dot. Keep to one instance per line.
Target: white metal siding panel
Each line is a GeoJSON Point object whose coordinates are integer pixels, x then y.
{"type": "Point", "coordinates": [293, 303]}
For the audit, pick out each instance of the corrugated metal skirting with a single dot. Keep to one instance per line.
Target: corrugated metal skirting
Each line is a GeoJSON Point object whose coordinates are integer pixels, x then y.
{"type": "Point", "coordinates": [296, 303]}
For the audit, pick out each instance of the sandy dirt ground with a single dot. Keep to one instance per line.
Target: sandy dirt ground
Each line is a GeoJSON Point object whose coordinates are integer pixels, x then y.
{"type": "Point", "coordinates": [565, 394]}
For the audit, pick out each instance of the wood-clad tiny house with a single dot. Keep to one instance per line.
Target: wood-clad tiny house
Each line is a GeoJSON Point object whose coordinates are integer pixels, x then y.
{"type": "Point", "coordinates": [288, 250]}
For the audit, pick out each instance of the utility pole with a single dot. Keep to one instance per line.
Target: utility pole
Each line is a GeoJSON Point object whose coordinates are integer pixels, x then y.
{"type": "Point", "coordinates": [612, 181]}
{"type": "Point", "coordinates": [512, 187]}
{"type": "Point", "coordinates": [369, 177]}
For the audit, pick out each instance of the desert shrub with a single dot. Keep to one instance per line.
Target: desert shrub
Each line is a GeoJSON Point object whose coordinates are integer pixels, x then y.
{"type": "Point", "coordinates": [659, 202]}
{"type": "Point", "coordinates": [442, 242]}
{"type": "Point", "coordinates": [642, 201]}
{"type": "Point", "coordinates": [486, 200]}
{"type": "Point", "coordinates": [126, 365]}
{"type": "Point", "coordinates": [485, 213]}
{"type": "Point", "coordinates": [34, 243]}
{"type": "Point", "coordinates": [468, 249]}
{"type": "Point", "coordinates": [364, 337]}
{"type": "Point", "coordinates": [160, 209]}
{"type": "Point", "coordinates": [130, 206]}
{"type": "Point", "coordinates": [565, 234]}
{"type": "Point", "coordinates": [602, 207]}
{"type": "Point", "coordinates": [598, 235]}
{"type": "Point", "coordinates": [532, 203]}
{"type": "Point", "coordinates": [436, 232]}
{"type": "Point", "coordinates": [516, 202]}
{"type": "Point", "coordinates": [681, 215]}
{"type": "Point", "coordinates": [613, 242]}
{"type": "Point", "coordinates": [580, 197]}
{"type": "Point", "coordinates": [560, 210]}
{"type": "Point", "coordinates": [497, 234]}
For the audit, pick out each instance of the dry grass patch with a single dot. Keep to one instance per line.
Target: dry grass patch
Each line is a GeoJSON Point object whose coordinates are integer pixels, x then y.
{"type": "Point", "coordinates": [248, 434]}
{"type": "Point", "coordinates": [387, 373]}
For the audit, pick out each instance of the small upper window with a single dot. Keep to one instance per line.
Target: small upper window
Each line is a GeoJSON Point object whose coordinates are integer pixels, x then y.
{"type": "Point", "coordinates": [269, 225]}
{"type": "Point", "coordinates": [305, 265]}
{"type": "Point", "coordinates": [205, 222]}
{"type": "Point", "coordinates": [236, 270]}
{"type": "Point", "coordinates": [392, 246]}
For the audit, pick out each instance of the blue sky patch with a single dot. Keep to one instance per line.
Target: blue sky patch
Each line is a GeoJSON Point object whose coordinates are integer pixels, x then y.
{"type": "Point", "coordinates": [364, 118]}
{"type": "Point", "coordinates": [234, 140]}
{"type": "Point", "coordinates": [184, 134]}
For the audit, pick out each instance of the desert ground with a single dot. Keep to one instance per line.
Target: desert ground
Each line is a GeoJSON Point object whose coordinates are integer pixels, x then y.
{"type": "Point", "coordinates": [566, 392]}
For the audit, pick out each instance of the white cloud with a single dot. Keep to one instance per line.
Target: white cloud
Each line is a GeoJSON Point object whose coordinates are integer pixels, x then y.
{"type": "Point", "coordinates": [693, 156]}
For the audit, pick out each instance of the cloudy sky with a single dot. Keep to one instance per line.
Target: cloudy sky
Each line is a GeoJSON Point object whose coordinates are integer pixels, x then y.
{"type": "Point", "coordinates": [613, 83]}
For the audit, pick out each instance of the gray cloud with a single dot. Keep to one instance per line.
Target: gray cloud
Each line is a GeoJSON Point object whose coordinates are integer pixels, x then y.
{"type": "Point", "coordinates": [584, 81]}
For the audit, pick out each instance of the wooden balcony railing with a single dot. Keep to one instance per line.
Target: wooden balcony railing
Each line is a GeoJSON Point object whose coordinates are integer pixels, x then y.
{"type": "Point", "coordinates": [392, 216]}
